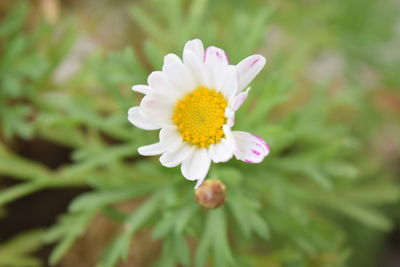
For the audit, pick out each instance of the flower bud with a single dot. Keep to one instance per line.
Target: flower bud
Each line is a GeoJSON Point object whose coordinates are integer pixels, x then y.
{"type": "Point", "coordinates": [211, 194]}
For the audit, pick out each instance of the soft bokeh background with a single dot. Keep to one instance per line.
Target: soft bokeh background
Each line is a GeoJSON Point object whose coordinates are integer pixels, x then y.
{"type": "Point", "coordinates": [74, 191]}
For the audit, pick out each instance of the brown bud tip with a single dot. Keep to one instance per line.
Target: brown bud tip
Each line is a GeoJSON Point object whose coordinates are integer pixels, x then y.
{"type": "Point", "coordinates": [211, 194]}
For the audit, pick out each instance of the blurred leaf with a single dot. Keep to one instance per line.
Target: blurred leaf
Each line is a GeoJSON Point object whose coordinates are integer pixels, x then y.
{"type": "Point", "coordinates": [18, 191]}
{"type": "Point", "coordinates": [18, 251]}
{"type": "Point", "coordinates": [119, 248]}
{"type": "Point", "coordinates": [153, 54]}
{"type": "Point", "coordinates": [215, 237]}
{"type": "Point", "coordinates": [245, 212]}
{"type": "Point", "coordinates": [365, 215]}
{"type": "Point", "coordinates": [148, 24]}
{"type": "Point", "coordinates": [68, 230]}
{"type": "Point", "coordinates": [98, 199]}
{"type": "Point", "coordinates": [14, 20]}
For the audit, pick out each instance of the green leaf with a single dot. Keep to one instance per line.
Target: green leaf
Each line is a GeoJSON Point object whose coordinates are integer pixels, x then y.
{"type": "Point", "coordinates": [203, 247]}
{"type": "Point", "coordinates": [360, 213]}
{"type": "Point", "coordinates": [14, 20]}
{"type": "Point", "coordinates": [221, 247]}
{"type": "Point", "coordinates": [119, 248]}
{"type": "Point", "coordinates": [18, 251]}
{"type": "Point", "coordinates": [377, 193]}
{"type": "Point", "coordinates": [174, 221]}
{"type": "Point", "coordinates": [183, 217]}
{"type": "Point", "coordinates": [98, 199]}
{"type": "Point", "coordinates": [168, 257]}
{"type": "Point", "coordinates": [195, 15]}
{"type": "Point", "coordinates": [245, 212]}
{"type": "Point", "coordinates": [307, 168]}
{"type": "Point", "coordinates": [259, 225]}
{"type": "Point", "coordinates": [164, 226]}
{"type": "Point", "coordinates": [148, 25]}
{"type": "Point", "coordinates": [240, 214]}
{"type": "Point", "coordinates": [18, 191]}
{"type": "Point", "coordinates": [181, 250]}
{"type": "Point", "coordinates": [215, 237]}
{"type": "Point", "coordinates": [68, 231]}
{"type": "Point", "coordinates": [153, 54]}
{"type": "Point", "coordinates": [257, 26]}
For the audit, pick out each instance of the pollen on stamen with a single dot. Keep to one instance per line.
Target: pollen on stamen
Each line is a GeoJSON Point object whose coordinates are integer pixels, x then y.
{"type": "Point", "coordinates": [200, 116]}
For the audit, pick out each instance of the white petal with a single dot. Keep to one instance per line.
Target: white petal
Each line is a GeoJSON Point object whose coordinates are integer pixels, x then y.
{"type": "Point", "coordinates": [196, 67]}
{"type": "Point", "coordinates": [160, 85]}
{"type": "Point", "coordinates": [199, 182]}
{"type": "Point", "coordinates": [216, 64]}
{"type": "Point", "coordinates": [229, 84]}
{"type": "Point", "coordinates": [174, 158]}
{"type": "Point", "coordinates": [228, 133]}
{"type": "Point", "coordinates": [196, 165]}
{"type": "Point", "coordinates": [239, 99]}
{"type": "Point", "coordinates": [196, 46]}
{"type": "Point", "coordinates": [230, 115]}
{"type": "Point", "coordinates": [170, 59]}
{"type": "Point", "coordinates": [136, 118]}
{"type": "Point", "coordinates": [170, 138]}
{"type": "Point", "coordinates": [179, 77]}
{"type": "Point", "coordinates": [151, 150]}
{"type": "Point", "coordinates": [144, 89]}
{"type": "Point", "coordinates": [156, 108]}
{"type": "Point", "coordinates": [247, 69]}
{"type": "Point", "coordinates": [249, 147]}
{"type": "Point", "coordinates": [222, 151]}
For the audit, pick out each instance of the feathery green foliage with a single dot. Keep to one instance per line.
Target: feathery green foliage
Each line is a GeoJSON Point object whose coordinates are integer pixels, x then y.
{"type": "Point", "coordinates": [293, 209]}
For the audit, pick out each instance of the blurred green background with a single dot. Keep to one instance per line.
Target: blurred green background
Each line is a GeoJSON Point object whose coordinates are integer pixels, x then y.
{"type": "Point", "coordinates": [74, 192]}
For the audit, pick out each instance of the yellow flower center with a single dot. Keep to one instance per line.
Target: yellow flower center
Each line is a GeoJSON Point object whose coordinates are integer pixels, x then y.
{"type": "Point", "coordinates": [200, 116]}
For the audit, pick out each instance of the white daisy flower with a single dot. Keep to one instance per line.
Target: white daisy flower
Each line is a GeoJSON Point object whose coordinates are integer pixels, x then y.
{"type": "Point", "coordinates": [194, 102]}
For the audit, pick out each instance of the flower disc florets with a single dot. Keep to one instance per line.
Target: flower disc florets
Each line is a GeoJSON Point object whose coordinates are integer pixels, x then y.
{"type": "Point", "coordinates": [200, 116]}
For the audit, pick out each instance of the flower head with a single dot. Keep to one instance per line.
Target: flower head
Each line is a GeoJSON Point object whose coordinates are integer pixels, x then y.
{"type": "Point", "coordinates": [193, 101]}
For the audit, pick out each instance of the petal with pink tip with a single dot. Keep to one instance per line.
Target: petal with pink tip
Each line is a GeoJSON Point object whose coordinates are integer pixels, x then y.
{"type": "Point", "coordinates": [216, 63]}
{"type": "Point", "coordinates": [248, 68]}
{"type": "Point", "coordinates": [249, 147]}
{"type": "Point", "coordinates": [217, 55]}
